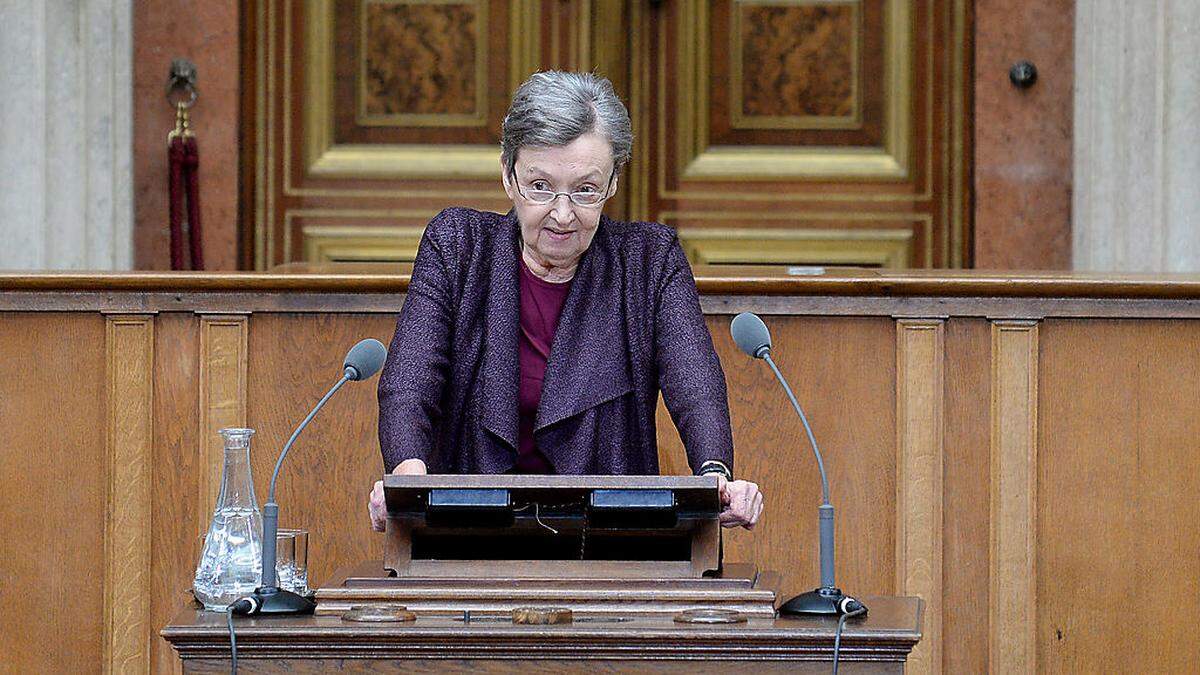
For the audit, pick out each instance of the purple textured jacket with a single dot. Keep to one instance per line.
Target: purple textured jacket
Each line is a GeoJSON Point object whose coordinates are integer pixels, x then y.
{"type": "Point", "coordinates": [631, 326]}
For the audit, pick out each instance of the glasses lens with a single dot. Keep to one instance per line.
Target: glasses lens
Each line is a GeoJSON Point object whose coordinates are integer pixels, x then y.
{"type": "Point", "coordinates": [540, 196]}
{"type": "Point", "coordinates": [586, 198]}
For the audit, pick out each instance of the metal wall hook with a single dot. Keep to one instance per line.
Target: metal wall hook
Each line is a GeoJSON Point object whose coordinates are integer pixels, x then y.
{"type": "Point", "coordinates": [182, 77]}
{"type": "Point", "coordinates": [1023, 74]}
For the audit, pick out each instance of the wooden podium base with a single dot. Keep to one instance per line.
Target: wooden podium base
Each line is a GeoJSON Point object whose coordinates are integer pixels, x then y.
{"type": "Point", "coordinates": [739, 588]}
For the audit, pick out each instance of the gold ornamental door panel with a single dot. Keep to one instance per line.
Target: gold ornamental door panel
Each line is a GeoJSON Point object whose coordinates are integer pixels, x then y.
{"type": "Point", "coordinates": [804, 131]}
{"type": "Point", "coordinates": [775, 132]}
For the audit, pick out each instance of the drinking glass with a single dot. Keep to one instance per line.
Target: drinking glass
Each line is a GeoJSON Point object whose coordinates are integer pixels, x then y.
{"type": "Point", "coordinates": [285, 559]}
{"type": "Point", "coordinates": [300, 561]}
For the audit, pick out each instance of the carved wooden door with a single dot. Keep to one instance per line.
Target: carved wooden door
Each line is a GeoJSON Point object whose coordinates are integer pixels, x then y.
{"type": "Point", "coordinates": [803, 132]}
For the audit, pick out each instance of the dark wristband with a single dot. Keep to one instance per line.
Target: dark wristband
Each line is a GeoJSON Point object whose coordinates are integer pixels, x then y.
{"type": "Point", "coordinates": [715, 466]}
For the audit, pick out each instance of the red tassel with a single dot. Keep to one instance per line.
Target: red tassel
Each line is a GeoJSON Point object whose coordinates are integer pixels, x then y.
{"type": "Point", "coordinates": [184, 184]}
{"type": "Point", "coordinates": [175, 194]}
{"type": "Point", "coordinates": [192, 178]}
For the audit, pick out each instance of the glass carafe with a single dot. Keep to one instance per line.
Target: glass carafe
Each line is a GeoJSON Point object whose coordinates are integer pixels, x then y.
{"type": "Point", "coordinates": [231, 563]}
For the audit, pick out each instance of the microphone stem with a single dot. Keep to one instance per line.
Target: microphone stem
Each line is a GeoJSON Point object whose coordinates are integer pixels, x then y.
{"type": "Point", "coordinates": [271, 509]}
{"type": "Point", "coordinates": [811, 439]}
{"type": "Point", "coordinates": [296, 434]}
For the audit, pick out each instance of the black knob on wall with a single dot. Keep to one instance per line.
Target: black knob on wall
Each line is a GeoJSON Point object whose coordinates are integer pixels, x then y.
{"type": "Point", "coordinates": [1023, 74]}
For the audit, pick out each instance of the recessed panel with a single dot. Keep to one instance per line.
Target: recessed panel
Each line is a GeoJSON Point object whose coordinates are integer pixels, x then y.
{"type": "Point", "coordinates": [795, 65]}
{"type": "Point", "coordinates": [422, 63]}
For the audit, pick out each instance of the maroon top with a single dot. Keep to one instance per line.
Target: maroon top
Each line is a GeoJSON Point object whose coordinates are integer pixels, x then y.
{"type": "Point", "coordinates": [541, 305]}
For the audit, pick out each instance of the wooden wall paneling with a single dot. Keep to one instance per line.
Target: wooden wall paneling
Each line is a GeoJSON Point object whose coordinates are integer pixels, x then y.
{"type": "Point", "coordinates": [1014, 457]}
{"type": "Point", "coordinates": [920, 391]}
{"type": "Point", "coordinates": [222, 399]}
{"type": "Point", "coordinates": [1118, 514]}
{"type": "Point", "coordinates": [53, 469]}
{"type": "Point", "coordinates": [179, 516]}
{"type": "Point", "coordinates": [966, 486]}
{"type": "Point", "coordinates": [843, 373]}
{"type": "Point", "coordinates": [330, 471]}
{"type": "Point", "coordinates": [129, 423]}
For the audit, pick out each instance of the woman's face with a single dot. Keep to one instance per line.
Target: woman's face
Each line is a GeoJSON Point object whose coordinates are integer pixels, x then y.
{"type": "Point", "coordinates": [557, 234]}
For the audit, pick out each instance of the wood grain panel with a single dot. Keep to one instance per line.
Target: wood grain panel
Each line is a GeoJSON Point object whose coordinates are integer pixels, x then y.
{"type": "Point", "coordinates": [966, 511]}
{"type": "Point", "coordinates": [129, 342]}
{"type": "Point", "coordinates": [1013, 602]}
{"type": "Point", "coordinates": [1118, 508]}
{"type": "Point", "coordinates": [796, 61]}
{"type": "Point", "coordinates": [420, 59]}
{"type": "Point", "coordinates": [53, 492]}
{"type": "Point", "coordinates": [840, 370]}
{"type": "Point", "coordinates": [179, 513]}
{"type": "Point", "coordinates": [223, 359]}
{"type": "Point", "coordinates": [330, 470]}
{"type": "Point", "coordinates": [920, 390]}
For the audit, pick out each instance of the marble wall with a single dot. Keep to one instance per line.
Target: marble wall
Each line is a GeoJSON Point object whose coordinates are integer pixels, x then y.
{"type": "Point", "coordinates": [65, 149]}
{"type": "Point", "coordinates": [1137, 129]}
{"type": "Point", "coordinates": [1022, 139]}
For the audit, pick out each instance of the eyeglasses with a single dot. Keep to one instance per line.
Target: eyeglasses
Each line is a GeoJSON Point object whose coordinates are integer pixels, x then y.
{"type": "Point", "coordinates": [543, 197]}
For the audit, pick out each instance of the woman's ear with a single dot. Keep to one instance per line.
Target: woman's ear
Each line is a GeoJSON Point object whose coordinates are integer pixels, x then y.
{"type": "Point", "coordinates": [505, 180]}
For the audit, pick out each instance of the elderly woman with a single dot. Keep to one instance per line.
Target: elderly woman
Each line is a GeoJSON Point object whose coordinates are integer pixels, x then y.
{"type": "Point", "coordinates": [538, 341]}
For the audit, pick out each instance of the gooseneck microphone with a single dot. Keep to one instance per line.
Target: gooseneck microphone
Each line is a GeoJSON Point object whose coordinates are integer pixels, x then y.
{"type": "Point", "coordinates": [753, 338]}
{"type": "Point", "coordinates": [362, 361]}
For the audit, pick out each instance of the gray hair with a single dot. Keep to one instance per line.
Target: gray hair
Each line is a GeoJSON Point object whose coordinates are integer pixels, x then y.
{"type": "Point", "coordinates": [553, 108]}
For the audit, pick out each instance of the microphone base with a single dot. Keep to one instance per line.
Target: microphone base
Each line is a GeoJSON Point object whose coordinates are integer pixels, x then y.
{"type": "Point", "coordinates": [278, 602]}
{"type": "Point", "coordinates": [821, 601]}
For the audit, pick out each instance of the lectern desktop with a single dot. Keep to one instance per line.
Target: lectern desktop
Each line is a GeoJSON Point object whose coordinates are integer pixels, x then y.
{"type": "Point", "coordinates": [593, 544]}
{"type": "Point", "coordinates": [552, 526]}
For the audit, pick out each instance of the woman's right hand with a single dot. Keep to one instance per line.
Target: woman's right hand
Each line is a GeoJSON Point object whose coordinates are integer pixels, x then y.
{"type": "Point", "coordinates": [375, 504]}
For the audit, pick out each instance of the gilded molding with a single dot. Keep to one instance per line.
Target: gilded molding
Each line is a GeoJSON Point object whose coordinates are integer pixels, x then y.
{"type": "Point", "coordinates": [324, 158]}
{"type": "Point", "coordinates": [129, 347]}
{"type": "Point", "coordinates": [765, 163]}
{"type": "Point", "coordinates": [889, 248]}
{"type": "Point", "coordinates": [347, 243]}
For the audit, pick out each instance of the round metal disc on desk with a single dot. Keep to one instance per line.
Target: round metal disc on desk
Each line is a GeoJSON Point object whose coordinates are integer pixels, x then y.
{"type": "Point", "coordinates": [379, 614]}
{"type": "Point", "coordinates": [710, 616]}
{"type": "Point", "coordinates": [541, 615]}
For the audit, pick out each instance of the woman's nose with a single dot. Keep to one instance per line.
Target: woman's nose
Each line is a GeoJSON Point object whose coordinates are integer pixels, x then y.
{"type": "Point", "coordinates": [562, 210]}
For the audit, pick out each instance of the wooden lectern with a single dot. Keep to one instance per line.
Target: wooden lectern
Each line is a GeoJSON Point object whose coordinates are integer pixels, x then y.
{"type": "Point", "coordinates": [626, 569]}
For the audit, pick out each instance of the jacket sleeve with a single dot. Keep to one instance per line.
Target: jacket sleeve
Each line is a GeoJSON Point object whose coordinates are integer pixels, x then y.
{"type": "Point", "coordinates": [415, 374]}
{"type": "Point", "coordinates": [689, 372]}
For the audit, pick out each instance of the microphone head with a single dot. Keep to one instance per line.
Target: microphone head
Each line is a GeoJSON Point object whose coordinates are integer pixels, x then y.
{"type": "Point", "coordinates": [751, 334]}
{"type": "Point", "coordinates": [365, 359]}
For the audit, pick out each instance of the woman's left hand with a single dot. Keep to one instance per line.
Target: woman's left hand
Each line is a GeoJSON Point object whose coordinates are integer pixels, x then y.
{"type": "Point", "coordinates": [741, 502]}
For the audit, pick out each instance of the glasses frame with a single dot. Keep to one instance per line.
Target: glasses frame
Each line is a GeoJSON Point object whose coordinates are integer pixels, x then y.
{"type": "Point", "coordinates": [512, 174]}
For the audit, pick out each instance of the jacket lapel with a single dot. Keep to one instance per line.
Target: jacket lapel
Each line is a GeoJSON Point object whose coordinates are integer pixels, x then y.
{"type": "Point", "coordinates": [501, 365]}
{"type": "Point", "coordinates": [588, 362]}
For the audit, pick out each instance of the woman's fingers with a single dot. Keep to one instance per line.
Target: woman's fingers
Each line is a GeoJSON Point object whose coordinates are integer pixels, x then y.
{"type": "Point", "coordinates": [375, 507]}
{"type": "Point", "coordinates": [743, 504]}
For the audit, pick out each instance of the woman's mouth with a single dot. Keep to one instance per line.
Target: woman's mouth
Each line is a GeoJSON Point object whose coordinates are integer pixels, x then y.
{"type": "Point", "coordinates": [557, 234]}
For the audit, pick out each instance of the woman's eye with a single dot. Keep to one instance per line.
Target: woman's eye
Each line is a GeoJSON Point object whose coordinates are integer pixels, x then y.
{"type": "Point", "coordinates": [540, 185]}
{"type": "Point", "coordinates": [586, 188]}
